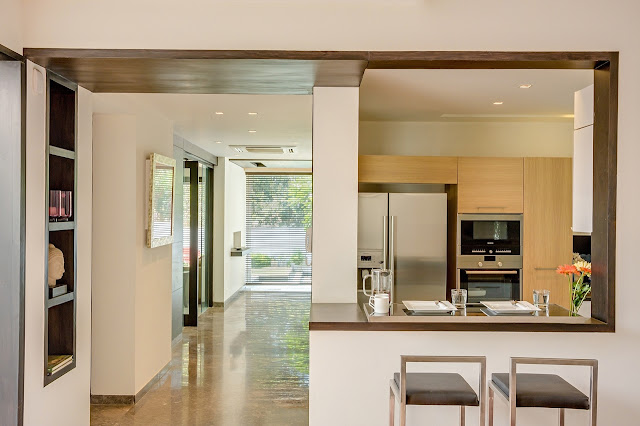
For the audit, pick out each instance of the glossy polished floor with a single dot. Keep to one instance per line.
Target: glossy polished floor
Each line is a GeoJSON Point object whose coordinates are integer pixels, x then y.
{"type": "Point", "coordinates": [246, 365]}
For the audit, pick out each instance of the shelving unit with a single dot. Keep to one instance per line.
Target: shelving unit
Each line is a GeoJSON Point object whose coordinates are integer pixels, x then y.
{"type": "Point", "coordinates": [60, 311]}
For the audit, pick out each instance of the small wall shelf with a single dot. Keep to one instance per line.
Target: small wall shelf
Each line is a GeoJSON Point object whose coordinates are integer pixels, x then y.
{"type": "Point", "coordinates": [61, 226]}
{"type": "Point", "coordinates": [60, 311]}
{"type": "Point", "coordinates": [58, 300]}
{"type": "Point", "coordinates": [240, 251]}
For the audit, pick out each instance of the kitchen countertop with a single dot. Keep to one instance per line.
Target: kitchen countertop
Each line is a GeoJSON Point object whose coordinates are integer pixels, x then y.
{"type": "Point", "coordinates": [351, 317]}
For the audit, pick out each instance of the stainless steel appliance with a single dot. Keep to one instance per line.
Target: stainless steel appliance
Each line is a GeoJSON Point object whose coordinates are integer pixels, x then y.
{"type": "Point", "coordinates": [489, 256]}
{"type": "Point", "coordinates": [406, 233]}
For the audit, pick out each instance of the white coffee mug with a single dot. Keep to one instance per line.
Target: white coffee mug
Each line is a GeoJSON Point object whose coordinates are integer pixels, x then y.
{"type": "Point", "coordinates": [380, 303]}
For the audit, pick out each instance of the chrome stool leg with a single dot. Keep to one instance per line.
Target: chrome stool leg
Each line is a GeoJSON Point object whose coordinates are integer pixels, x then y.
{"type": "Point", "coordinates": [462, 421]}
{"type": "Point", "coordinates": [561, 417]}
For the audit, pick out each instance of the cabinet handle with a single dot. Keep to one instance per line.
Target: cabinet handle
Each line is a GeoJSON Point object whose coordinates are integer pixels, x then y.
{"type": "Point", "coordinates": [491, 208]}
{"type": "Point", "coordinates": [544, 269]}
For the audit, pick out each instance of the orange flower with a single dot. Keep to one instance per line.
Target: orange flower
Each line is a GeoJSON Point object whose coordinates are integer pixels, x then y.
{"type": "Point", "coordinates": [567, 269]}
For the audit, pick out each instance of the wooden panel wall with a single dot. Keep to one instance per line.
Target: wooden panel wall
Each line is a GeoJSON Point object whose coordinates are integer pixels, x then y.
{"type": "Point", "coordinates": [548, 240]}
{"type": "Point", "coordinates": [490, 185]}
{"type": "Point", "coordinates": [407, 169]}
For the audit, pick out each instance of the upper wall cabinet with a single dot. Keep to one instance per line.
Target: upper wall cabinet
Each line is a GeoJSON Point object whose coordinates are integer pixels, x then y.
{"type": "Point", "coordinates": [490, 185]}
{"type": "Point", "coordinates": [407, 169]}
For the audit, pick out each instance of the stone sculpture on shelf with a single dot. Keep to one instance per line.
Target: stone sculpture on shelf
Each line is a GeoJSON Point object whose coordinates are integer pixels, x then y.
{"type": "Point", "coordinates": [56, 265]}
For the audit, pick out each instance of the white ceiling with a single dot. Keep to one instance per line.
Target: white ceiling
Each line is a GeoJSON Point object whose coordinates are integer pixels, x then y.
{"type": "Point", "coordinates": [468, 95]}
{"type": "Point", "coordinates": [281, 120]}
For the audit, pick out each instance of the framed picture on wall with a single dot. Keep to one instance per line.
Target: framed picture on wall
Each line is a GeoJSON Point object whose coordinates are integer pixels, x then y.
{"type": "Point", "coordinates": [160, 187]}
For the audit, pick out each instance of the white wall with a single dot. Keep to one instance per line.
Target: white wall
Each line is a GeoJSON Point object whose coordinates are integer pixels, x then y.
{"type": "Point", "coordinates": [42, 406]}
{"type": "Point", "coordinates": [11, 25]}
{"type": "Point", "coordinates": [229, 206]}
{"type": "Point", "coordinates": [114, 254]}
{"type": "Point", "coordinates": [504, 139]}
{"type": "Point", "coordinates": [335, 194]}
{"type": "Point", "coordinates": [141, 341]}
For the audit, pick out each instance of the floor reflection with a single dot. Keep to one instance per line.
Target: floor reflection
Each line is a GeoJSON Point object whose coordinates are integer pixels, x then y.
{"type": "Point", "coordinates": [246, 365]}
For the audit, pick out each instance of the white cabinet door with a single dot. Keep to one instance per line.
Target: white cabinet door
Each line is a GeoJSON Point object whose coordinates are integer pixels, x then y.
{"type": "Point", "coordinates": [583, 179]}
{"type": "Point", "coordinates": [583, 108]}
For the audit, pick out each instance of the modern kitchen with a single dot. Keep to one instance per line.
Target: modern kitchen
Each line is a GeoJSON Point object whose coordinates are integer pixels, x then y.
{"type": "Point", "coordinates": [487, 226]}
{"type": "Point", "coordinates": [479, 200]}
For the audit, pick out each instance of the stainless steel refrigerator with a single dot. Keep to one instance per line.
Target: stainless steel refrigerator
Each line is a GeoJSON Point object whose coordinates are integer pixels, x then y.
{"type": "Point", "coordinates": [406, 233]}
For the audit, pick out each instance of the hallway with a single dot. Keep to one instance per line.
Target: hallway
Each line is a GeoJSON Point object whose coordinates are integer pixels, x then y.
{"type": "Point", "coordinates": [246, 365]}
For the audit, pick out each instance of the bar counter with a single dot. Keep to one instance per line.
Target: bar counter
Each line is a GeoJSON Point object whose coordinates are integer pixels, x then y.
{"type": "Point", "coordinates": [352, 317]}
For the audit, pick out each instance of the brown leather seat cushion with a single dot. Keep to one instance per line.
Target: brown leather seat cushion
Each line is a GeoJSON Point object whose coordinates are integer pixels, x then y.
{"type": "Point", "coordinates": [437, 389]}
{"type": "Point", "coordinates": [542, 390]}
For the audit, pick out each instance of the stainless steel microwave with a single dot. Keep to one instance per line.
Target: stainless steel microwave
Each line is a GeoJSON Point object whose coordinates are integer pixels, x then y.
{"type": "Point", "coordinates": [489, 234]}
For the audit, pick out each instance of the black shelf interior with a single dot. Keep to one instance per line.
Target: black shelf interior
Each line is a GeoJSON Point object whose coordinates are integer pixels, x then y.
{"type": "Point", "coordinates": [60, 329]}
{"type": "Point", "coordinates": [62, 116]}
{"type": "Point", "coordinates": [60, 311]}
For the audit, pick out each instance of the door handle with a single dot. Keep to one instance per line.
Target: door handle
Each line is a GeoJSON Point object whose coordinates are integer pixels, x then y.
{"type": "Point", "coordinates": [498, 272]}
{"type": "Point", "coordinates": [544, 269]}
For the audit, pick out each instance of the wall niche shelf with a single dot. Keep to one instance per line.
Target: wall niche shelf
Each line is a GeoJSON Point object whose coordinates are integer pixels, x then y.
{"type": "Point", "coordinates": [60, 311]}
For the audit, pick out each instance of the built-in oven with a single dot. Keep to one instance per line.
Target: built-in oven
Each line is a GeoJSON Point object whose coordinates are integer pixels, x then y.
{"type": "Point", "coordinates": [489, 234]}
{"type": "Point", "coordinates": [490, 284]}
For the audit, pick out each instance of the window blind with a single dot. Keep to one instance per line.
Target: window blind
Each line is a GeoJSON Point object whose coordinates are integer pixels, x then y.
{"type": "Point", "coordinates": [278, 215]}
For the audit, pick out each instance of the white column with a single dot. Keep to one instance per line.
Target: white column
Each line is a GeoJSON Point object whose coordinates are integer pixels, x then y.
{"type": "Point", "coordinates": [335, 194]}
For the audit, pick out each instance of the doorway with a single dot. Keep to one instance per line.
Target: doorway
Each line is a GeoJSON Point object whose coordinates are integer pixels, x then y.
{"type": "Point", "coordinates": [198, 240]}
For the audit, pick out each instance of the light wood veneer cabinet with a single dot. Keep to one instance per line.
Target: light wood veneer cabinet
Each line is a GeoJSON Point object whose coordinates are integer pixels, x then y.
{"type": "Point", "coordinates": [547, 235]}
{"type": "Point", "coordinates": [490, 185]}
{"type": "Point", "coordinates": [407, 169]}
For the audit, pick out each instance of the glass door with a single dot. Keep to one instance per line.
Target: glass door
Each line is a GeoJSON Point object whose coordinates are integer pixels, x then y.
{"type": "Point", "coordinates": [198, 240]}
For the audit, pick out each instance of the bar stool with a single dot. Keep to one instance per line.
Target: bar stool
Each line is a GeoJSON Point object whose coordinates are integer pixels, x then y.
{"type": "Point", "coordinates": [436, 388]}
{"type": "Point", "coordinates": [543, 390]}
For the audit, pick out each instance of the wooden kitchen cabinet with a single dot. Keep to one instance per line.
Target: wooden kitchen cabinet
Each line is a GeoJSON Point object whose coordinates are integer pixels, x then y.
{"type": "Point", "coordinates": [490, 185]}
{"type": "Point", "coordinates": [547, 235]}
{"type": "Point", "coordinates": [407, 169]}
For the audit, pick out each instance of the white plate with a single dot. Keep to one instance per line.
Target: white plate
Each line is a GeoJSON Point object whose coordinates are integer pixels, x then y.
{"type": "Point", "coordinates": [508, 307]}
{"type": "Point", "coordinates": [429, 306]}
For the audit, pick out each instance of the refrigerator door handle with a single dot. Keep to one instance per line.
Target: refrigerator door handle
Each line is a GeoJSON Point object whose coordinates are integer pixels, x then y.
{"type": "Point", "coordinates": [385, 242]}
{"type": "Point", "coordinates": [392, 254]}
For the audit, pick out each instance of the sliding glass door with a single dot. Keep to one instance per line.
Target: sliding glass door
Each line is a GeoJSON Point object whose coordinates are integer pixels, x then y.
{"type": "Point", "coordinates": [197, 240]}
{"type": "Point", "coordinates": [278, 222]}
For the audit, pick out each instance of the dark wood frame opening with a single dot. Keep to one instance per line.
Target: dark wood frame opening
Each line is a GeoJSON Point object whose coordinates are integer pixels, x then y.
{"type": "Point", "coordinates": [297, 72]}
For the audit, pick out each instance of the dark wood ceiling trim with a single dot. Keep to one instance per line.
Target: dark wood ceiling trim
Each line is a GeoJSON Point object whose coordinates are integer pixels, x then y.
{"type": "Point", "coordinates": [486, 60]}
{"type": "Point", "coordinates": [204, 71]}
{"type": "Point", "coordinates": [293, 55]}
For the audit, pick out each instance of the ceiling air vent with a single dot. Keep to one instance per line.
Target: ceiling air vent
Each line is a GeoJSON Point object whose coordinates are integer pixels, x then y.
{"type": "Point", "coordinates": [258, 164]}
{"type": "Point", "coordinates": [265, 149]}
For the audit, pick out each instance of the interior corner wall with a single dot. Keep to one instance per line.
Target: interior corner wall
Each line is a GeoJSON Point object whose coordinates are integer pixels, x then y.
{"type": "Point", "coordinates": [46, 405]}
{"type": "Point", "coordinates": [114, 256]}
{"type": "Point", "coordinates": [235, 220]}
{"type": "Point", "coordinates": [460, 139]}
{"type": "Point", "coordinates": [335, 194]}
{"type": "Point", "coordinates": [11, 25]}
{"type": "Point", "coordinates": [143, 343]}
{"type": "Point", "coordinates": [229, 214]}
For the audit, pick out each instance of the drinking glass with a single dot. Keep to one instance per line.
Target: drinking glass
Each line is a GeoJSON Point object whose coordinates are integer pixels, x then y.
{"type": "Point", "coordinates": [459, 298]}
{"type": "Point", "coordinates": [537, 297]}
{"type": "Point", "coordinates": [545, 298]}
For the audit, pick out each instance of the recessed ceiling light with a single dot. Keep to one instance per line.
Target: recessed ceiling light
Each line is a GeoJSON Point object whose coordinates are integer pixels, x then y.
{"type": "Point", "coordinates": [525, 86]}
{"type": "Point", "coordinates": [219, 112]}
{"type": "Point", "coordinates": [218, 141]}
{"type": "Point", "coordinates": [252, 131]}
{"type": "Point", "coordinates": [498, 103]}
{"type": "Point", "coordinates": [253, 113]}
